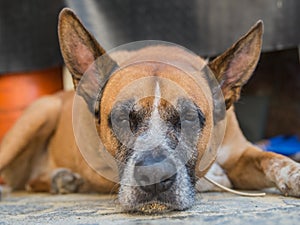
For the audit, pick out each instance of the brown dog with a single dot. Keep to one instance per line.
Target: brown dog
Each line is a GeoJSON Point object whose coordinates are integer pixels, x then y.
{"type": "Point", "coordinates": [40, 152]}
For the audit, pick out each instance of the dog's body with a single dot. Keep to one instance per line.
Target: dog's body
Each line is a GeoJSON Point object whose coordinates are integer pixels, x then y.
{"type": "Point", "coordinates": [42, 142]}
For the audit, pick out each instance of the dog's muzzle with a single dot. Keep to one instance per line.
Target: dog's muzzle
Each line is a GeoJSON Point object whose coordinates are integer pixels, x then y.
{"type": "Point", "coordinates": [155, 173]}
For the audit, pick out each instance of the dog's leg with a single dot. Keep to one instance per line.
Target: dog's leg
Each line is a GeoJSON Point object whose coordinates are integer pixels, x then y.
{"type": "Point", "coordinates": [59, 181]}
{"type": "Point", "coordinates": [248, 167]}
{"type": "Point", "coordinates": [256, 169]}
{"type": "Point", "coordinates": [27, 141]}
{"type": "Point", "coordinates": [39, 184]}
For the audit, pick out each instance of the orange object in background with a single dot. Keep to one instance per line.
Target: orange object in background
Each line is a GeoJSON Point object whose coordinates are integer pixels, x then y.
{"type": "Point", "coordinates": [18, 90]}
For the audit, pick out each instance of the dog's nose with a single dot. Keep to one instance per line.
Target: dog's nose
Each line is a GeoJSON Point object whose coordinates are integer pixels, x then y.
{"type": "Point", "coordinates": [155, 174]}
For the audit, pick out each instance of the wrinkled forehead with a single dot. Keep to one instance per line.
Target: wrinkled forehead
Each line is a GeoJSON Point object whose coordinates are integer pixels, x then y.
{"type": "Point", "coordinates": [142, 80]}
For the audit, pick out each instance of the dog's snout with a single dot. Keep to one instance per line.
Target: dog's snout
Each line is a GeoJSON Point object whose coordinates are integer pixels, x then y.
{"type": "Point", "coordinates": [155, 174]}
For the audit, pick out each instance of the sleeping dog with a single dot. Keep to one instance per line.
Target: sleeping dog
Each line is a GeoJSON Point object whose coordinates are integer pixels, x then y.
{"type": "Point", "coordinates": [158, 164]}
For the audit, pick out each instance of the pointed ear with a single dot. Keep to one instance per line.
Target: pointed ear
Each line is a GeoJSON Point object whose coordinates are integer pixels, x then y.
{"type": "Point", "coordinates": [80, 49]}
{"type": "Point", "coordinates": [235, 66]}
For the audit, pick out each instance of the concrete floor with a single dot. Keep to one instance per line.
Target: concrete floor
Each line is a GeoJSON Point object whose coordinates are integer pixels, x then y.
{"type": "Point", "coordinates": [210, 208]}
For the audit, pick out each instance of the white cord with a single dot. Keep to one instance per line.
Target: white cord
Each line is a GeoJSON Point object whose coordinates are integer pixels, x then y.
{"type": "Point", "coordinates": [234, 191]}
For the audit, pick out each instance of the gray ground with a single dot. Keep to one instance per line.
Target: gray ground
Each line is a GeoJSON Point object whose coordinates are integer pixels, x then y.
{"type": "Point", "coordinates": [210, 208]}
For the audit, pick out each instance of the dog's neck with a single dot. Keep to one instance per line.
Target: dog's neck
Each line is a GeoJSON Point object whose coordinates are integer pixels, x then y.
{"type": "Point", "coordinates": [233, 138]}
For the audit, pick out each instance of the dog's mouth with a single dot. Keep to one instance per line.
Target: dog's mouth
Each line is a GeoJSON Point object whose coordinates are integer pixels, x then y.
{"type": "Point", "coordinates": [174, 193]}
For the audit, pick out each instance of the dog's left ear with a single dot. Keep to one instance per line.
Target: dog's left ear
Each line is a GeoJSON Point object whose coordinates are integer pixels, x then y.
{"type": "Point", "coordinates": [80, 49]}
{"type": "Point", "coordinates": [235, 66]}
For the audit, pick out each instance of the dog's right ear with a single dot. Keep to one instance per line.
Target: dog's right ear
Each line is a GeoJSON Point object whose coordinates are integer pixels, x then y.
{"type": "Point", "coordinates": [235, 66]}
{"type": "Point", "coordinates": [80, 49]}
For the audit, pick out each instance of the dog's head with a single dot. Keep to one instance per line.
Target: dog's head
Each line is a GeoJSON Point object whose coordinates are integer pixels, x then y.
{"type": "Point", "coordinates": [157, 132]}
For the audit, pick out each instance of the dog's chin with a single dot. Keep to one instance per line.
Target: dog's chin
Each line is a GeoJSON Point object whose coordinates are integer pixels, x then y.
{"type": "Point", "coordinates": [152, 207]}
{"type": "Point", "coordinates": [157, 206]}
{"type": "Point", "coordinates": [179, 197]}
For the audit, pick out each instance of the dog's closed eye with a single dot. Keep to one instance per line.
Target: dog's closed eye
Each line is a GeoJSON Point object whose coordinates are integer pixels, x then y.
{"type": "Point", "coordinates": [120, 113]}
{"type": "Point", "coordinates": [190, 112]}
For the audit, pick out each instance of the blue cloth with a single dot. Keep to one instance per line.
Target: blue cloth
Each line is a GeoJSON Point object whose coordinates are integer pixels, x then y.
{"type": "Point", "coordinates": [285, 145]}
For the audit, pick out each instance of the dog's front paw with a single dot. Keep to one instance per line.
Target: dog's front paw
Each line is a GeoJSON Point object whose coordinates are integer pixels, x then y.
{"type": "Point", "coordinates": [64, 181]}
{"type": "Point", "coordinates": [289, 181]}
{"type": "Point", "coordinates": [287, 177]}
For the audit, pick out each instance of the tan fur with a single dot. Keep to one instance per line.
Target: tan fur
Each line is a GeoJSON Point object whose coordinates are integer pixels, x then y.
{"type": "Point", "coordinates": [61, 150]}
{"type": "Point", "coordinates": [155, 70]}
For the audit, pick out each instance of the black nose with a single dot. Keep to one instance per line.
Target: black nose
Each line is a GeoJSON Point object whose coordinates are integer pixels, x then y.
{"type": "Point", "coordinates": [155, 174]}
